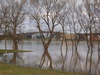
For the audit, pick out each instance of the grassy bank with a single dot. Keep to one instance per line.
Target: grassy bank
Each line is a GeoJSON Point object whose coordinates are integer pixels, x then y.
{"type": "Point", "coordinates": [12, 51]}
{"type": "Point", "coordinates": [9, 69]}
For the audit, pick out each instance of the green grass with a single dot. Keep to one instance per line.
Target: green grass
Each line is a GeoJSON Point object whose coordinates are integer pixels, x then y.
{"type": "Point", "coordinates": [12, 51]}
{"type": "Point", "coordinates": [9, 69]}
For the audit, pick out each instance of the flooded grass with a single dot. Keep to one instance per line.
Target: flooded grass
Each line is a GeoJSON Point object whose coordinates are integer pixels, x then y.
{"type": "Point", "coordinates": [9, 69]}
{"type": "Point", "coordinates": [12, 51]}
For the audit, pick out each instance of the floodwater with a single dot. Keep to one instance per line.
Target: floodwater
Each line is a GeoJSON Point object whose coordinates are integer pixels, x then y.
{"type": "Point", "coordinates": [32, 59]}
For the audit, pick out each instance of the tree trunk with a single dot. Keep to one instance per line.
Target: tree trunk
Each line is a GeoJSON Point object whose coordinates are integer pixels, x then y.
{"type": "Point", "coordinates": [15, 47]}
{"type": "Point", "coordinates": [46, 53]}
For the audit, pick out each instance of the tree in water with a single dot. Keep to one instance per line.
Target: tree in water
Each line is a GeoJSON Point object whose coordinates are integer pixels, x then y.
{"type": "Point", "coordinates": [45, 14]}
{"type": "Point", "coordinates": [15, 17]}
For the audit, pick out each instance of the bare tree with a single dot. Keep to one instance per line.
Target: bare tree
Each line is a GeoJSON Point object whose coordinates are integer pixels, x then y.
{"type": "Point", "coordinates": [88, 20]}
{"type": "Point", "coordinates": [45, 13]}
{"type": "Point", "coordinates": [64, 24]}
{"type": "Point", "coordinates": [4, 22]}
{"type": "Point", "coordinates": [3, 13]}
{"type": "Point", "coordinates": [13, 21]}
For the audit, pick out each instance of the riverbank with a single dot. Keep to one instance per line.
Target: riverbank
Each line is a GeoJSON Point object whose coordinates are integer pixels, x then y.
{"type": "Point", "coordinates": [9, 69]}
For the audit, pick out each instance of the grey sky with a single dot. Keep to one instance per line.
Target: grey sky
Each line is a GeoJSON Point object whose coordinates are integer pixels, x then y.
{"type": "Point", "coordinates": [29, 25]}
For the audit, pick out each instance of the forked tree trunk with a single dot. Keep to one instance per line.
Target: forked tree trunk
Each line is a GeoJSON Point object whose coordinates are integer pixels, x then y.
{"type": "Point", "coordinates": [46, 54]}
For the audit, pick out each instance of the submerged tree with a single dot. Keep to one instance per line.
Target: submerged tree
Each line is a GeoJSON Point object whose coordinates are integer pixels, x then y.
{"type": "Point", "coordinates": [13, 21]}
{"type": "Point", "coordinates": [88, 19]}
{"type": "Point", "coordinates": [45, 14]}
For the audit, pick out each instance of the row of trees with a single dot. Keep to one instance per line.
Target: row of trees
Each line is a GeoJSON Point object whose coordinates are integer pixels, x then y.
{"type": "Point", "coordinates": [11, 19]}
{"type": "Point", "coordinates": [47, 15]}
{"type": "Point", "coordinates": [70, 17]}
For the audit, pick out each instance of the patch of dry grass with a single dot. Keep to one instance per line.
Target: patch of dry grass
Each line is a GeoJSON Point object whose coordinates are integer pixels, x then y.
{"type": "Point", "coordinates": [9, 69]}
